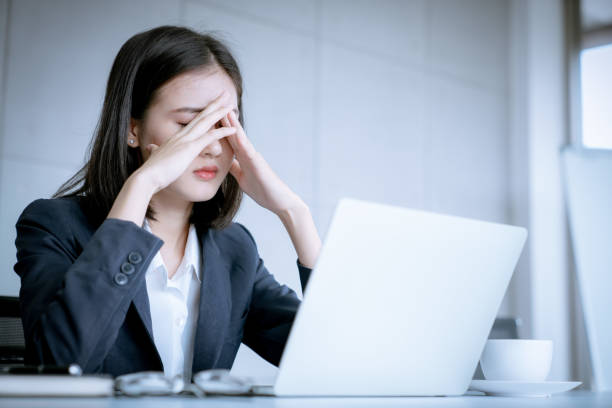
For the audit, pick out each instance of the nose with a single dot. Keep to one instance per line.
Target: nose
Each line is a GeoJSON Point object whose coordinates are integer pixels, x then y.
{"type": "Point", "coordinates": [213, 149]}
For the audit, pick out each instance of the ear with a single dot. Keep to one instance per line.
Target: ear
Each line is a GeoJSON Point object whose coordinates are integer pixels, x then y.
{"type": "Point", "coordinates": [133, 133]}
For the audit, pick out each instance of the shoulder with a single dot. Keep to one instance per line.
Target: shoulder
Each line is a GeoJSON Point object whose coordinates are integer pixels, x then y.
{"type": "Point", "coordinates": [44, 206]}
{"type": "Point", "coordinates": [54, 213]}
{"type": "Point", "coordinates": [236, 241]}
{"type": "Point", "coordinates": [235, 233]}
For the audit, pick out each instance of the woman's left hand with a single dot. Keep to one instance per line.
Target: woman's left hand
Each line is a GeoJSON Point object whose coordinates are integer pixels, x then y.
{"type": "Point", "coordinates": [259, 181]}
{"type": "Point", "coordinates": [255, 176]}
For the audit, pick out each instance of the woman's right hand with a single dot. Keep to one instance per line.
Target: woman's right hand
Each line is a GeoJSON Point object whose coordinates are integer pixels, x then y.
{"type": "Point", "coordinates": [168, 161]}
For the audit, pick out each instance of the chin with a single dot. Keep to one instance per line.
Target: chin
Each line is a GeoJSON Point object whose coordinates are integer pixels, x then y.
{"type": "Point", "coordinates": [195, 192]}
{"type": "Point", "coordinates": [200, 196]}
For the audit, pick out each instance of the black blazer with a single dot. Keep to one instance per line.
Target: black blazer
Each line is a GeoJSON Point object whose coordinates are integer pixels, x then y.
{"type": "Point", "coordinates": [84, 297]}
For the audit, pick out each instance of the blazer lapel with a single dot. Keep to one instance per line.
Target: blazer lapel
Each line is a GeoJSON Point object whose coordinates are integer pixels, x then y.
{"type": "Point", "coordinates": [141, 303]}
{"type": "Point", "coordinates": [215, 304]}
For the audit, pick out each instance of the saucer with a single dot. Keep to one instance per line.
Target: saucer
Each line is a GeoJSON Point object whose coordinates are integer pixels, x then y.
{"type": "Point", "coordinates": [522, 388]}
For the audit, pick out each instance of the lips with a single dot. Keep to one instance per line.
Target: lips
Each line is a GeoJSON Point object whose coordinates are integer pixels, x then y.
{"type": "Point", "coordinates": [208, 168]}
{"type": "Point", "coordinates": [206, 172]}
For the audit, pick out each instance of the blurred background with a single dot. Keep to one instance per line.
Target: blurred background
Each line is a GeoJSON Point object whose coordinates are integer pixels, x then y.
{"type": "Point", "coordinates": [452, 106]}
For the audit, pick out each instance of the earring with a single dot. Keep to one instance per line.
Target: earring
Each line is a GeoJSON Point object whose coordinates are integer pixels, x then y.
{"type": "Point", "coordinates": [131, 141]}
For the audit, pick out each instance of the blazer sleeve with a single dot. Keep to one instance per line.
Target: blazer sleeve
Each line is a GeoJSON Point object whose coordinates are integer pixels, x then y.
{"type": "Point", "coordinates": [74, 301]}
{"type": "Point", "coordinates": [272, 310]}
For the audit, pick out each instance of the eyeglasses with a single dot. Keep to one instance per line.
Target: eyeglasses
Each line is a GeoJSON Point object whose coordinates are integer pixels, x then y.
{"type": "Point", "coordinates": [219, 381]}
{"type": "Point", "coordinates": [153, 383]}
{"type": "Point", "coordinates": [214, 382]}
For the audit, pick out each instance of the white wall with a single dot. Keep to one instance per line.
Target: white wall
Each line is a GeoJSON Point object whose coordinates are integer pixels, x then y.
{"type": "Point", "coordinates": [538, 129]}
{"type": "Point", "coordinates": [8, 282]}
{"type": "Point", "coordinates": [402, 102]}
{"type": "Point", "coordinates": [547, 132]}
{"type": "Point", "coordinates": [59, 56]}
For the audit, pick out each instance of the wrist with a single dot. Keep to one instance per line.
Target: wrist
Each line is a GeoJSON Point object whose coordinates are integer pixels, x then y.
{"type": "Point", "coordinates": [140, 182]}
{"type": "Point", "coordinates": [133, 200]}
{"type": "Point", "coordinates": [298, 222]}
{"type": "Point", "coordinates": [290, 214]}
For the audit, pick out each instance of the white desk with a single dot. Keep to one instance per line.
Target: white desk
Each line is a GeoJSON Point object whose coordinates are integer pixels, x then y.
{"type": "Point", "coordinates": [569, 399]}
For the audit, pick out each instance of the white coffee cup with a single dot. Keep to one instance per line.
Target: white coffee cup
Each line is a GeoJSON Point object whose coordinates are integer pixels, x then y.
{"type": "Point", "coordinates": [517, 360]}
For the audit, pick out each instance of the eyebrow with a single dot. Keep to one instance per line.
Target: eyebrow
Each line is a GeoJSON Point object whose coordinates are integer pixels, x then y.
{"type": "Point", "coordinates": [197, 110]}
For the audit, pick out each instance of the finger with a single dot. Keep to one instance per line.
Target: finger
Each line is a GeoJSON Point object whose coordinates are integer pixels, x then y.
{"type": "Point", "coordinates": [231, 138]}
{"type": "Point", "coordinates": [205, 124]}
{"type": "Point", "coordinates": [235, 170]}
{"type": "Point", "coordinates": [242, 141]}
{"type": "Point", "coordinates": [219, 101]}
{"type": "Point", "coordinates": [236, 123]}
{"type": "Point", "coordinates": [151, 147]}
{"type": "Point", "coordinates": [232, 141]}
{"type": "Point", "coordinates": [214, 134]}
{"type": "Point", "coordinates": [197, 121]}
{"type": "Point", "coordinates": [225, 121]}
{"type": "Point", "coordinates": [211, 107]}
{"type": "Point", "coordinates": [233, 120]}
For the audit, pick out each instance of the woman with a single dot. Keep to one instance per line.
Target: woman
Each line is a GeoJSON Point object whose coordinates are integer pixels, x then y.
{"type": "Point", "coordinates": [135, 264]}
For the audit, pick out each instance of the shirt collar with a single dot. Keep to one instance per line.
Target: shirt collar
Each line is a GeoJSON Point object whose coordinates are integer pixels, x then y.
{"type": "Point", "coordinates": [191, 258]}
{"type": "Point", "coordinates": [192, 252]}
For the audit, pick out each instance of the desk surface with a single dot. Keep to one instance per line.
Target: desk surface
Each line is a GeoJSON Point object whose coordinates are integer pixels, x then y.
{"type": "Point", "coordinates": [568, 399]}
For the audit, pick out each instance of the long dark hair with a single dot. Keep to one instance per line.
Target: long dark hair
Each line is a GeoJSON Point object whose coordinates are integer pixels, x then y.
{"type": "Point", "coordinates": [144, 63]}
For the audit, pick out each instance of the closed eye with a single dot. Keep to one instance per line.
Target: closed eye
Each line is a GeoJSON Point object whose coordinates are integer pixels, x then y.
{"type": "Point", "coordinates": [217, 125]}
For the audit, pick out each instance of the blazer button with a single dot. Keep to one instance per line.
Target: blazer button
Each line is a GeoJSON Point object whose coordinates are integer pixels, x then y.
{"type": "Point", "coordinates": [135, 258]}
{"type": "Point", "coordinates": [120, 279]}
{"type": "Point", "coordinates": [127, 268]}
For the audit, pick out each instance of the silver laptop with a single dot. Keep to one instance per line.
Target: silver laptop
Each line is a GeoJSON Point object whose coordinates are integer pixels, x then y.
{"type": "Point", "coordinates": [400, 303]}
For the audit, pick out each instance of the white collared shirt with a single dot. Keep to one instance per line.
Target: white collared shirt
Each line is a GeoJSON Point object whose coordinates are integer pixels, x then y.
{"type": "Point", "coordinates": [174, 307]}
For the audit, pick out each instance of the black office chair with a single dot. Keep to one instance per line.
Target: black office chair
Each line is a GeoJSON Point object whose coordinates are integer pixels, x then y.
{"type": "Point", "coordinates": [12, 340]}
{"type": "Point", "coordinates": [503, 328]}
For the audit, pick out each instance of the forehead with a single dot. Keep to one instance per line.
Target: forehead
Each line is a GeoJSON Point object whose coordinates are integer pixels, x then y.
{"type": "Point", "coordinates": [195, 88]}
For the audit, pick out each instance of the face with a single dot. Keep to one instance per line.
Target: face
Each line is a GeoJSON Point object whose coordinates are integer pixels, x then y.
{"type": "Point", "coordinates": [175, 104]}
